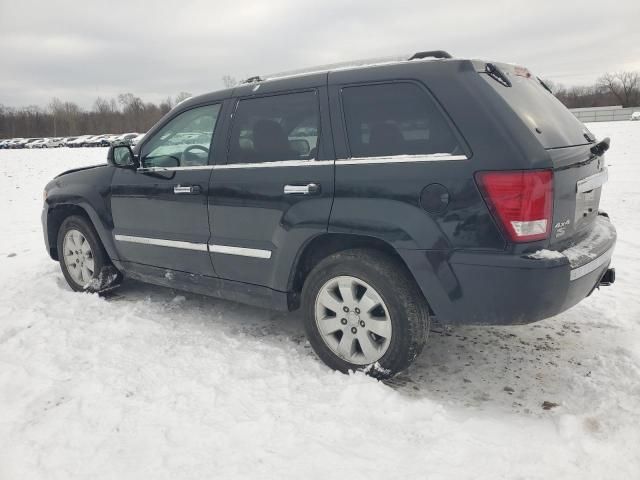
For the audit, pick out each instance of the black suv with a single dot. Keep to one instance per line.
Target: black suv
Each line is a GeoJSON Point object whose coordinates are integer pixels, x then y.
{"type": "Point", "coordinates": [375, 198]}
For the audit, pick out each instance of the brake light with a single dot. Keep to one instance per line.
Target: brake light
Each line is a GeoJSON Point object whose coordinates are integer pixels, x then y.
{"type": "Point", "coordinates": [522, 201]}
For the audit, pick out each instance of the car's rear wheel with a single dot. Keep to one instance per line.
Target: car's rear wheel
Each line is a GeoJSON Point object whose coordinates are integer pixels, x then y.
{"type": "Point", "coordinates": [364, 312]}
{"type": "Point", "coordinates": [83, 259]}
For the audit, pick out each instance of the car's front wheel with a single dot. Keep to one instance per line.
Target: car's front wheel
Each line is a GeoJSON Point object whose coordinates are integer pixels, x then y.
{"type": "Point", "coordinates": [84, 261]}
{"type": "Point", "coordinates": [364, 312]}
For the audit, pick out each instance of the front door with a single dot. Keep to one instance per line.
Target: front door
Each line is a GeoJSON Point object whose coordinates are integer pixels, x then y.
{"type": "Point", "coordinates": [275, 191]}
{"type": "Point", "coordinates": [160, 210]}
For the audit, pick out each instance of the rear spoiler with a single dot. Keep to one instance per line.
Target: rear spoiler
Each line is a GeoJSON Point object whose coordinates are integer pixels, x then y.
{"type": "Point", "coordinates": [599, 148]}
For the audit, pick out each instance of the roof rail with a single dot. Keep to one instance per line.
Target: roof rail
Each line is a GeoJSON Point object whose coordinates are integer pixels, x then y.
{"type": "Point", "coordinates": [431, 53]}
{"type": "Point", "coordinates": [349, 64]}
{"type": "Point", "coordinates": [254, 79]}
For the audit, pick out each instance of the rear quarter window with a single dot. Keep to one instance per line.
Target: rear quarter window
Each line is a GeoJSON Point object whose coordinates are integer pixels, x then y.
{"type": "Point", "coordinates": [395, 119]}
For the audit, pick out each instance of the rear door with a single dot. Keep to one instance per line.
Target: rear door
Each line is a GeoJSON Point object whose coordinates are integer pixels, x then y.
{"type": "Point", "coordinates": [274, 192]}
{"type": "Point", "coordinates": [160, 210]}
{"type": "Point", "coordinates": [392, 141]}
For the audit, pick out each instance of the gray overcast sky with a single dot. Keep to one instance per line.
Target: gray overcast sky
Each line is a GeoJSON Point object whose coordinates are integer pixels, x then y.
{"type": "Point", "coordinates": [78, 50]}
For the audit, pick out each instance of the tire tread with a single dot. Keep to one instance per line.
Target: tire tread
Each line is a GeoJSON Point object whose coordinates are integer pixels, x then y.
{"type": "Point", "coordinates": [405, 297]}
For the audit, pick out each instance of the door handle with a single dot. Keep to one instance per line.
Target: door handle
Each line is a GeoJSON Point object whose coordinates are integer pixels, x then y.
{"type": "Point", "coordinates": [186, 189]}
{"type": "Point", "coordinates": [310, 189]}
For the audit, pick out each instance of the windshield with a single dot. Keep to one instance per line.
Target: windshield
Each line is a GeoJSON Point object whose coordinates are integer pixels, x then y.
{"type": "Point", "coordinates": [553, 125]}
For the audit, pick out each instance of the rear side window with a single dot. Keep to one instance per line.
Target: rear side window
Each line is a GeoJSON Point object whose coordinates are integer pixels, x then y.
{"type": "Point", "coordinates": [275, 128]}
{"type": "Point", "coordinates": [395, 119]}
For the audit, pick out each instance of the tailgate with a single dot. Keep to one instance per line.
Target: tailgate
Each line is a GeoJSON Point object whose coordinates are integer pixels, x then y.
{"type": "Point", "coordinates": [578, 164]}
{"type": "Point", "coordinates": [578, 179]}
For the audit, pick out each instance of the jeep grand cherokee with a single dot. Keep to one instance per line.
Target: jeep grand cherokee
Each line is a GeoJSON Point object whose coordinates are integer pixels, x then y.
{"type": "Point", "coordinates": [374, 198]}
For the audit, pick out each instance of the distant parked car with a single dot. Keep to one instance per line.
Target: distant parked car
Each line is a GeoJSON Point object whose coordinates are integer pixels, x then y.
{"type": "Point", "coordinates": [67, 140]}
{"type": "Point", "coordinates": [18, 143]}
{"type": "Point", "coordinates": [52, 142]}
{"type": "Point", "coordinates": [38, 143]}
{"type": "Point", "coordinates": [111, 138]}
{"type": "Point", "coordinates": [99, 141]}
{"type": "Point", "coordinates": [73, 142]}
{"type": "Point", "coordinates": [78, 142]}
{"type": "Point", "coordinates": [635, 116]}
{"type": "Point", "coordinates": [5, 143]}
{"type": "Point", "coordinates": [124, 139]}
{"type": "Point", "coordinates": [136, 140]}
{"type": "Point", "coordinates": [88, 140]}
{"type": "Point", "coordinates": [26, 142]}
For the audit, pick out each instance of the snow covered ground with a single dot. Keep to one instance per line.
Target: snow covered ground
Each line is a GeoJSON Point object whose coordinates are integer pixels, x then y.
{"type": "Point", "coordinates": [160, 384]}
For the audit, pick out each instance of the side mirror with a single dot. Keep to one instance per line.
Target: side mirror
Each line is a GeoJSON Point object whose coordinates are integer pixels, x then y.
{"type": "Point", "coordinates": [121, 156]}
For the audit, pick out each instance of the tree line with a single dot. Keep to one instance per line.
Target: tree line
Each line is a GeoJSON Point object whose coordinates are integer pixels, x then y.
{"type": "Point", "coordinates": [129, 113]}
{"type": "Point", "coordinates": [619, 88]}
{"type": "Point", "coordinates": [126, 113]}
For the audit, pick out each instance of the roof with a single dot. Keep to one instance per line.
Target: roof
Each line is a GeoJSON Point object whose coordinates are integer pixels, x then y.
{"type": "Point", "coordinates": [354, 64]}
{"type": "Point", "coordinates": [320, 72]}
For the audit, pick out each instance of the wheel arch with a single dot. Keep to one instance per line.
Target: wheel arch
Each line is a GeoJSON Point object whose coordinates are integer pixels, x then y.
{"type": "Point", "coordinates": [327, 244]}
{"type": "Point", "coordinates": [57, 213]}
{"type": "Point", "coordinates": [55, 216]}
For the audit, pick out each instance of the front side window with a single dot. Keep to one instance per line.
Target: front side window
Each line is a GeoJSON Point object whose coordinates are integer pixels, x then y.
{"type": "Point", "coordinates": [395, 119]}
{"type": "Point", "coordinates": [276, 128]}
{"type": "Point", "coordinates": [184, 141]}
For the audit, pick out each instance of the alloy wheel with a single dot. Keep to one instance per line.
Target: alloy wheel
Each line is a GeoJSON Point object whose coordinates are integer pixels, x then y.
{"type": "Point", "coordinates": [353, 320]}
{"type": "Point", "coordinates": [78, 257]}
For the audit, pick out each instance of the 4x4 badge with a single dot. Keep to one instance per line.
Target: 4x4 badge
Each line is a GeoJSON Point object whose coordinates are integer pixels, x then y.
{"type": "Point", "coordinates": [561, 227]}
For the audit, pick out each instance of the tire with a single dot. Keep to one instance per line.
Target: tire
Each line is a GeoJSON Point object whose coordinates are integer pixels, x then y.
{"type": "Point", "coordinates": [372, 276]}
{"type": "Point", "coordinates": [100, 274]}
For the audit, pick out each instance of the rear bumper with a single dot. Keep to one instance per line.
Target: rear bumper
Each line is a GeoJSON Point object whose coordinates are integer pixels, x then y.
{"type": "Point", "coordinates": [506, 289]}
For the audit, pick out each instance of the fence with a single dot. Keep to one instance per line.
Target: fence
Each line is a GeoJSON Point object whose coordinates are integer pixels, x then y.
{"type": "Point", "coordinates": [604, 114]}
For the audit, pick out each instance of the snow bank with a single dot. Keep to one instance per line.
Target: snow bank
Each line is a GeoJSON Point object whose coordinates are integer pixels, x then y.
{"type": "Point", "coordinates": [158, 384]}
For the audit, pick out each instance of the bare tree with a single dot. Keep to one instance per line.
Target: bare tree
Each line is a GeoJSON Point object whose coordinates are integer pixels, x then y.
{"type": "Point", "coordinates": [103, 106]}
{"type": "Point", "coordinates": [228, 81]}
{"type": "Point", "coordinates": [182, 96]}
{"type": "Point", "coordinates": [624, 86]}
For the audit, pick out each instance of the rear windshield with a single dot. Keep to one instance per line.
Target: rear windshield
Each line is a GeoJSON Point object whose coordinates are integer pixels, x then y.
{"type": "Point", "coordinates": [539, 109]}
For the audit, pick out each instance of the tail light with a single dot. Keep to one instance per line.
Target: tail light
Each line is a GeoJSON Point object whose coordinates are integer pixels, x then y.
{"type": "Point", "coordinates": [522, 201]}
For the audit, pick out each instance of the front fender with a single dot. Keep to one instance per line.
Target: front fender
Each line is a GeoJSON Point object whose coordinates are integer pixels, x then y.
{"type": "Point", "coordinates": [88, 190]}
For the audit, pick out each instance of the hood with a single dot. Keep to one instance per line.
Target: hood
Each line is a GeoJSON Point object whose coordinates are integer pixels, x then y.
{"type": "Point", "coordinates": [73, 170]}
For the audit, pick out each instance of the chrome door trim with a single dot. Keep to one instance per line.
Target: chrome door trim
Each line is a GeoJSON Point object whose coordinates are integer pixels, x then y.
{"type": "Point", "coordinates": [435, 157]}
{"type": "Point", "coordinates": [160, 242]}
{"type": "Point", "coordinates": [201, 247]}
{"type": "Point", "coordinates": [245, 252]}
{"type": "Point", "coordinates": [173, 169]}
{"type": "Point", "coordinates": [283, 163]}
